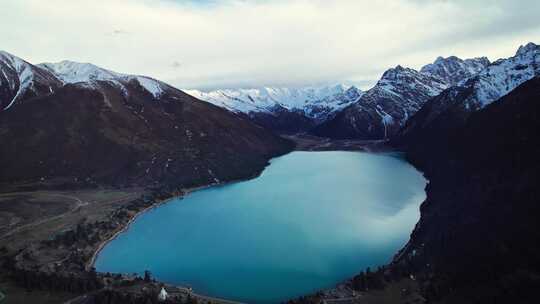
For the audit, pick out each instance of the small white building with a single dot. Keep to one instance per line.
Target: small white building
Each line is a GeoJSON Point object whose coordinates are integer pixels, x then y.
{"type": "Point", "coordinates": [162, 296]}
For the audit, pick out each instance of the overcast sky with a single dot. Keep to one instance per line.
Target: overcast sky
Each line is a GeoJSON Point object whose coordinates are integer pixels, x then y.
{"type": "Point", "coordinates": [232, 43]}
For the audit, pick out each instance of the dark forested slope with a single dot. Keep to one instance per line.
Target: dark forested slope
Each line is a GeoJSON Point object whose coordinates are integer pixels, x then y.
{"type": "Point", "coordinates": [99, 133]}
{"type": "Point", "coordinates": [478, 237]}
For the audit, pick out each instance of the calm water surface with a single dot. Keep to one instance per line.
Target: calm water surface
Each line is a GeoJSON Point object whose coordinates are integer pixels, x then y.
{"type": "Point", "coordinates": [311, 220]}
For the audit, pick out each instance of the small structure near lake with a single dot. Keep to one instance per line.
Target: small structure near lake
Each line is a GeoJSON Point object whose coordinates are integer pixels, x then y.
{"type": "Point", "coordinates": [162, 296]}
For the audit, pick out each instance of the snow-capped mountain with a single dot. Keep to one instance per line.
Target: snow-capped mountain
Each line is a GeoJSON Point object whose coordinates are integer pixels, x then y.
{"type": "Point", "coordinates": [85, 124]}
{"type": "Point", "coordinates": [452, 108]}
{"type": "Point", "coordinates": [76, 72]}
{"type": "Point", "coordinates": [20, 80]}
{"type": "Point", "coordinates": [452, 69]}
{"type": "Point", "coordinates": [315, 102]}
{"type": "Point", "coordinates": [284, 109]}
{"type": "Point", "coordinates": [504, 75]}
{"type": "Point", "coordinates": [73, 72]}
{"type": "Point", "coordinates": [400, 93]}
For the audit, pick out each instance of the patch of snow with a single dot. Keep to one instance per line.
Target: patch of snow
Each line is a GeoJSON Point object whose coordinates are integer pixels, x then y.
{"type": "Point", "coordinates": [503, 76]}
{"type": "Point", "coordinates": [150, 85]}
{"type": "Point", "coordinates": [24, 72]}
{"type": "Point", "coordinates": [73, 72]}
{"type": "Point", "coordinates": [386, 119]}
{"type": "Point", "coordinates": [76, 72]}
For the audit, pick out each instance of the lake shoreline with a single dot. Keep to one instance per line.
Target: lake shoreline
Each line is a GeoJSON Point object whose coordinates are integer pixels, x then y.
{"type": "Point", "coordinates": [190, 190]}
{"type": "Point", "coordinates": [303, 142]}
{"type": "Point", "coordinates": [184, 192]}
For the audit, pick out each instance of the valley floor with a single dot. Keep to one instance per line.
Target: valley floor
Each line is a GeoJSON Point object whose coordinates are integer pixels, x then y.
{"type": "Point", "coordinates": [28, 216]}
{"type": "Point", "coordinates": [305, 142]}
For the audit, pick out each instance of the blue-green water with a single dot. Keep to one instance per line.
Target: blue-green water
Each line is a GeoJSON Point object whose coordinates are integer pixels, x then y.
{"type": "Point", "coordinates": [311, 220]}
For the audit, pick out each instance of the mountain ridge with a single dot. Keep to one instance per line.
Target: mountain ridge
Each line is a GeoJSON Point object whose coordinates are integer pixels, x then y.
{"type": "Point", "coordinates": [400, 93]}
{"type": "Point", "coordinates": [23, 80]}
{"type": "Point", "coordinates": [44, 78]}
{"type": "Point", "coordinates": [455, 105]}
{"type": "Point", "coordinates": [347, 112]}
{"type": "Point", "coordinates": [283, 108]}
{"type": "Point", "coordinates": [473, 241]}
{"type": "Point", "coordinates": [122, 130]}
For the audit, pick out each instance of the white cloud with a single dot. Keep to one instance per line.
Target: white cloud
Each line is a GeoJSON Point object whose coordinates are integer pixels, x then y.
{"type": "Point", "coordinates": [253, 43]}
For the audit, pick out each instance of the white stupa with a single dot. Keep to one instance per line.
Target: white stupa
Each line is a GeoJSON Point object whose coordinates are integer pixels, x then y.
{"type": "Point", "coordinates": [162, 296]}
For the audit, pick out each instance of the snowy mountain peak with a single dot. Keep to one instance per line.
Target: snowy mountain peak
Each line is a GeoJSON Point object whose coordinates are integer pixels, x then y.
{"type": "Point", "coordinates": [440, 60]}
{"type": "Point", "coordinates": [353, 93]}
{"type": "Point", "coordinates": [451, 109]}
{"type": "Point", "coordinates": [529, 47]}
{"type": "Point", "coordinates": [314, 102]}
{"type": "Point", "coordinates": [397, 73]}
{"type": "Point", "coordinates": [398, 95]}
{"type": "Point", "coordinates": [479, 60]}
{"type": "Point", "coordinates": [504, 75]}
{"type": "Point", "coordinates": [72, 72]}
{"type": "Point", "coordinates": [20, 79]}
{"type": "Point", "coordinates": [453, 70]}
{"type": "Point", "coordinates": [400, 81]}
{"type": "Point", "coordinates": [13, 62]}
{"type": "Point", "coordinates": [6, 56]}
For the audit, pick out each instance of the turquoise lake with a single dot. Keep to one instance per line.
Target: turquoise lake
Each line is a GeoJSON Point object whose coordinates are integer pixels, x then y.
{"type": "Point", "coordinates": [309, 221]}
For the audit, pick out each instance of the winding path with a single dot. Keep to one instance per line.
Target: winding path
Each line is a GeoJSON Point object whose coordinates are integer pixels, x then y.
{"type": "Point", "coordinates": [78, 204]}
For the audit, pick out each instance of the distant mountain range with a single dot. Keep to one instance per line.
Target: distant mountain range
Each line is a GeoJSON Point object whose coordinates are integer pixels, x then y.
{"type": "Point", "coordinates": [343, 112]}
{"type": "Point", "coordinates": [56, 118]}
{"type": "Point", "coordinates": [398, 95]}
{"type": "Point", "coordinates": [78, 123]}
{"type": "Point", "coordinates": [347, 112]}
{"type": "Point", "coordinates": [284, 109]}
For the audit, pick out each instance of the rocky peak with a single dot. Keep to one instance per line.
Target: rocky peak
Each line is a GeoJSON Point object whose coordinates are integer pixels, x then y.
{"type": "Point", "coordinates": [453, 70]}
{"type": "Point", "coordinates": [20, 80]}
{"type": "Point", "coordinates": [453, 107]}
{"type": "Point", "coordinates": [528, 48]}
{"type": "Point", "coordinates": [398, 72]}
{"type": "Point", "coordinates": [314, 102]}
{"type": "Point", "coordinates": [72, 72]}
{"type": "Point", "coordinates": [353, 93]}
{"type": "Point", "coordinates": [479, 60]}
{"type": "Point", "coordinates": [504, 75]}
